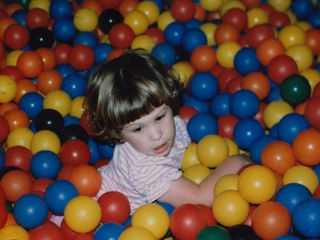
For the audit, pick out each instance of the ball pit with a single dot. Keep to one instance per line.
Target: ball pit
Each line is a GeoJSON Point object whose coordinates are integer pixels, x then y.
{"type": "Point", "coordinates": [251, 73]}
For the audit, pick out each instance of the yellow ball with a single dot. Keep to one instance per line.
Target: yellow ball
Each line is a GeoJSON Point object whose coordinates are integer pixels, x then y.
{"type": "Point", "coordinates": [291, 35]}
{"type": "Point", "coordinates": [184, 70]}
{"type": "Point", "coordinates": [164, 20]}
{"type": "Point", "coordinates": [12, 57]}
{"type": "Point", "coordinates": [136, 233]}
{"type": "Point", "coordinates": [143, 41]}
{"type": "Point", "coordinates": [13, 231]}
{"type": "Point", "coordinates": [292, 16]}
{"type": "Point", "coordinates": [227, 5]}
{"type": "Point", "coordinates": [211, 5]}
{"type": "Point", "coordinates": [313, 77]}
{"type": "Point", "coordinates": [197, 173]}
{"type": "Point", "coordinates": [303, 175]}
{"type": "Point", "coordinates": [256, 16]}
{"type": "Point", "coordinates": [232, 146]}
{"type": "Point", "coordinates": [190, 157]}
{"type": "Point", "coordinates": [8, 88]}
{"type": "Point", "coordinates": [77, 107]}
{"type": "Point", "coordinates": [305, 26]}
{"type": "Point", "coordinates": [45, 140]}
{"type": "Point", "coordinates": [230, 209]}
{"type": "Point", "coordinates": [275, 111]}
{"type": "Point", "coordinates": [152, 217]}
{"type": "Point", "coordinates": [82, 214]}
{"type": "Point", "coordinates": [209, 30]}
{"type": "Point", "coordinates": [302, 55]}
{"type": "Point", "coordinates": [257, 184]}
{"type": "Point", "coordinates": [85, 19]}
{"type": "Point", "coordinates": [212, 150]}
{"type": "Point", "coordinates": [226, 182]}
{"type": "Point", "coordinates": [226, 53]}
{"type": "Point", "coordinates": [150, 9]}
{"type": "Point", "coordinates": [20, 137]}
{"type": "Point", "coordinates": [280, 5]}
{"type": "Point", "coordinates": [58, 100]}
{"type": "Point", "coordinates": [43, 4]}
{"type": "Point", "coordinates": [137, 21]}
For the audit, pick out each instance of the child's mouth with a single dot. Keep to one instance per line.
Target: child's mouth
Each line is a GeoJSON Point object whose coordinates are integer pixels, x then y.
{"type": "Point", "coordinates": [161, 149]}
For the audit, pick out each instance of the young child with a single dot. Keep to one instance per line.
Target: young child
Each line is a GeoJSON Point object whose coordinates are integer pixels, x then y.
{"type": "Point", "coordinates": [132, 102]}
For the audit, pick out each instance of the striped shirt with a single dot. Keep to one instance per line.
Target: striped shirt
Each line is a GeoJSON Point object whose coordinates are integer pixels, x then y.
{"type": "Point", "coordinates": [142, 178]}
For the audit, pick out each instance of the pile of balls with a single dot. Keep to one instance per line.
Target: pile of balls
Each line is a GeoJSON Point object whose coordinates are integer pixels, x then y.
{"type": "Point", "coordinates": [251, 74]}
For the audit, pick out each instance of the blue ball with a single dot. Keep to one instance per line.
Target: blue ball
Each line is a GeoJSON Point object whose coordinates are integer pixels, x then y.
{"type": "Point", "coordinates": [94, 152]}
{"type": "Point", "coordinates": [220, 105]}
{"type": "Point", "coordinates": [64, 30]}
{"type": "Point", "coordinates": [45, 164]}
{"type": "Point", "coordinates": [306, 218]}
{"type": "Point", "coordinates": [199, 106]}
{"type": "Point", "coordinates": [274, 95]}
{"type": "Point", "coordinates": [101, 52]}
{"type": "Point", "coordinates": [203, 86]}
{"type": "Point", "coordinates": [105, 150]}
{"type": "Point", "coordinates": [287, 237]}
{"type": "Point", "coordinates": [193, 38]}
{"type": "Point", "coordinates": [108, 231]}
{"type": "Point", "coordinates": [165, 53]}
{"type": "Point", "coordinates": [20, 17]}
{"type": "Point", "coordinates": [316, 169]}
{"type": "Point", "coordinates": [194, 23]}
{"type": "Point", "coordinates": [31, 103]}
{"type": "Point", "coordinates": [290, 195]}
{"type": "Point", "coordinates": [61, 9]}
{"type": "Point", "coordinates": [302, 9]}
{"type": "Point", "coordinates": [173, 33]}
{"type": "Point", "coordinates": [290, 126]}
{"type": "Point", "coordinates": [65, 69]}
{"type": "Point", "coordinates": [201, 125]}
{"type": "Point", "coordinates": [69, 120]}
{"type": "Point", "coordinates": [85, 38]}
{"type": "Point", "coordinates": [1, 158]}
{"type": "Point", "coordinates": [244, 103]}
{"type": "Point", "coordinates": [74, 85]}
{"type": "Point", "coordinates": [314, 19]}
{"type": "Point", "coordinates": [58, 194]}
{"type": "Point", "coordinates": [30, 211]}
{"type": "Point", "coordinates": [258, 146]}
{"type": "Point", "coordinates": [246, 131]}
{"type": "Point", "coordinates": [246, 61]}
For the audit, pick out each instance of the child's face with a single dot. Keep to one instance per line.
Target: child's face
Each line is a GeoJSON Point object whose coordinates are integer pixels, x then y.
{"type": "Point", "coordinates": [152, 134]}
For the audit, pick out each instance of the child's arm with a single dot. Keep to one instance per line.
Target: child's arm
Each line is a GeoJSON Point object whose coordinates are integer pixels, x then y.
{"type": "Point", "coordinates": [184, 191]}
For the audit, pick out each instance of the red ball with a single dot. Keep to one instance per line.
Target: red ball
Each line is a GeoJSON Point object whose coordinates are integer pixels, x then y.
{"type": "Point", "coordinates": [62, 51]}
{"type": "Point", "coordinates": [81, 57]}
{"type": "Point", "coordinates": [16, 36]}
{"type": "Point", "coordinates": [115, 207]}
{"type": "Point", "coordinates": [281, 67]}
{"type": "Point", "coordinates": [316, 90]}
{"type": "Point", "coordinates": [121, 35]}
{"type": "Point", "coordinates": [186, 112]}
{"type": "Point", "coordinates": [258, 33]}
{"type": "Point", "coordinates": [109, 3]}
{"type": "Point", "coordinates": [46, 231]}
{"type": "Point", "coordinates": [13, 72]}
{"type": "Point", "coordinates": [156, 34]}
{"type": "Point", "coordinates": [187, 221]}
{"type": "Point", "coordinates": [48, 58]}
{"type": "Point", "coordinates": [312, 112]}
{"type": "Point", "coordinates": [226, 125]}
{"type": "Point", "coordinates": [279, 20]}
{"type": "Point", "coordinates": [17, 118]}
{"type": "Point", "coordinates": [225, 76]}
{"type": "Point", "coordinates": [268, 49]}
{"type": "Point", "coordinates": [182, 10]}
{"type": "Point", "coordinates": [74, 152]}
{"type": "Point", "coordinates": [3, 214]}
{"type": "Point", "coordinates": [312, 40]}
{"type": "Point", "coordinates": [234, 85]}
{"type": "Point", "coordinates": [4, 129]}
{"type": "Point", "coordinates": [30, 64]}
{"type": "Point", "coordinates": [208, 214]}
{"type": "Point", "coordinates": [226, 32]}
{"type": "Point", "coordinates": [37, 17]}
{"type": "Point", "coordinates": [18, 156]}
{"type": "Point", "coordinates": [41, 184]}
{"type": "Point", "coordinates": [236, 17]}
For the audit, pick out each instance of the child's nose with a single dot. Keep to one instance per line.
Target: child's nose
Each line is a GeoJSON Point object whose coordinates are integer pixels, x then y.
{"type": "Point", "coordinates": [155, 133]}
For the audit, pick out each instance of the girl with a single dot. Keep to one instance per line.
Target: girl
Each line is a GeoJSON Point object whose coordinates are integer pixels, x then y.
{"type": "Point", "coordinates": [132, 102]}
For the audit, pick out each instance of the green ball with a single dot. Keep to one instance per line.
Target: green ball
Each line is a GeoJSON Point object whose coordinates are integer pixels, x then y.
{"type": "Point", "coordinates": [214, 232]}
{"type": "Point", "coordinates": [295, 89]}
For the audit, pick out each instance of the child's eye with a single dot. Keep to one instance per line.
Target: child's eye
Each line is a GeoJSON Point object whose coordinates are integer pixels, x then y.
{"type": "Point", "coordinates": [138, 129]}
{"type": "Point", "coordinates": [160, 117]}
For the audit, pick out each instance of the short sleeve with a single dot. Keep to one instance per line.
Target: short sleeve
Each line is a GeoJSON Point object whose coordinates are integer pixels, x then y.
{"type": "Point", "coordinates": [182, 136]}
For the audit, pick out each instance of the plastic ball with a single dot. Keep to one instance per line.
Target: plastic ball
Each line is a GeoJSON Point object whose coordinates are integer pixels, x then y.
{"type": "Point", "coordinates": [82, 214]}
{"type": "Point", "coordinates": [244, 103]}
{"type": "Point", "coordinates": [268, 49]}
{"type": "Point", "coordinates": [58, 100]}
{"type": "Point", "coordinates": [108, 231]}
{"type": "Point", "coordinates": [305, 218]}
{"type": "Point", "coordinates": [17, 118]}
{"type": "Point", "coordinates": [186, 222]}
{"type": "Point", "coordinates": [58, 194]}
{"type": "Point", "coordinates": [14, 231]}
{"type": "Point", "coordinates": [291, 194]}
{"type": "Point", "coordinates": [203, 86]}
{"type": "Point", "coordinates": [48, 230]}
{"type": "Point", "coordinates": [226, 182]}
{"type": "Point", "coordinates": [45, 140]}
{"type": "Point", "coordinates": [291, 35]}
{"type": "Point", "coordinates": [20, 137]}
{"type": "Point", "coordinates": [121, 35]}
{"type": "Point", "coordinates": [312, 38]}
{"type": "Point", "coordinates": [257, 184]}
{"type": "Point", "coordinates": [115, 207]}
{"type": "Point", "coordinates": [258, 33]}
{"type": "Point", "coordinates": [200, 125]}
{"type": "Point", "coordinates": [226, 53]}
{"type": "Point", "coordinates": [196, 173]}
{"type": "Point", "coordinates": [37, 17]}
{"type": "Point", "coordinates": [49, 119]}
{"type": "Point", "coordinates": [16, 36]}
{"type": "Point", "coordinates": [41, 37]}
{"type": "Point", "coordinates": [31, 103]}
{"type": "Point", "coordinates": [108, 18]}
{"type": "Point", "coordinates": [85, 19]}
{"type": "Point", "coordinates": [143, 41]}
{"type": "Point", "coordinates": [303, 175]}
{"type": "Point", "coordinates": [30, 64]}
{"type": "Point", "coordinates": [136, 233]}
{"type": "Point", "coordinates": [4, 129]}
{"type": "Point", "coordinates": [173, 33]}
{"type": "Point", "coordinates": [152, 217]}
{"type": "Point", "coordinates": [64, 29]}
{"type": "Point", "coordinates": [237, 17]}
{"type": "Point", "coordinates": [150, 9]}
{"type": "Point", "coordinates": [60, 9]}
{"type": "Point", "coordinates": [226, 32]}
{"type": "Point", "coordinates": [165, 53]}
{"type": "Point", "coordinates": [302, 55]}
{"type": "Point", "coordinates": [229, 208]}
{"type": "Point", "coordinates": [190, 157]}
{"type": "Point", "coordinates": [258, 83]}
{"type": "Point", "coordinates": [216, 232]}
{"type": "Point", "coordinates": [164, 19]}
{"type": "Point", "coordinates": [311, 111]}
{"type": "Point", "coordinates": [275, 111]}
{"type": "Point", "coordinates": [271, 220]}
{"type": "Point", "coordinates": [45, 164]}
{"type": "Point", "coordinates": [220, 105]}
{"type": "Point", "coordinates": [137, 21]}
{"type": "Point", "coordinates": [182, 10]}
{"type": "Point", "coordinates": [246, 61]}
{"type": "Point", "coordinates": [81, 57]}
{"type": "Point", "coordinates": [203, 58]}
{"type": "Point", "coordinates": [8, 88]}
{"type": "Point", "coordinates": [212, 150]}
{"type": "Point", "coordinates": [73, 131]}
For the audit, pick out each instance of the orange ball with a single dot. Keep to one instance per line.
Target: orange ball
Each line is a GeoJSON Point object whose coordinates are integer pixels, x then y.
{"type": "Point", "coordinates": [278, 156]}
{"type": "Point", "coordinates": [269, 49]}
{"type": "Point", "coordinates": [15, 184]}
{"type": "Point", "coordinates": [49, 81]}
{"type": "Point", "coordinates": [203, 58]}
{"type": "Point", "coordinates": [258, 83]}
{"type": "Point", "coordinates": [306, 147]}
{"type": "Point", "coordinates": [24, 86]}
{"type": "Point", "coordinates": [17, 118]}
{"type": "Point", "coordinates": [86, 179]}
{"type": "Point", "coordinates": [30, 64]}
{"type": "Point", "coordinates": [48, 58]}
{"type": "Point", "coordinates": [226, 32]}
